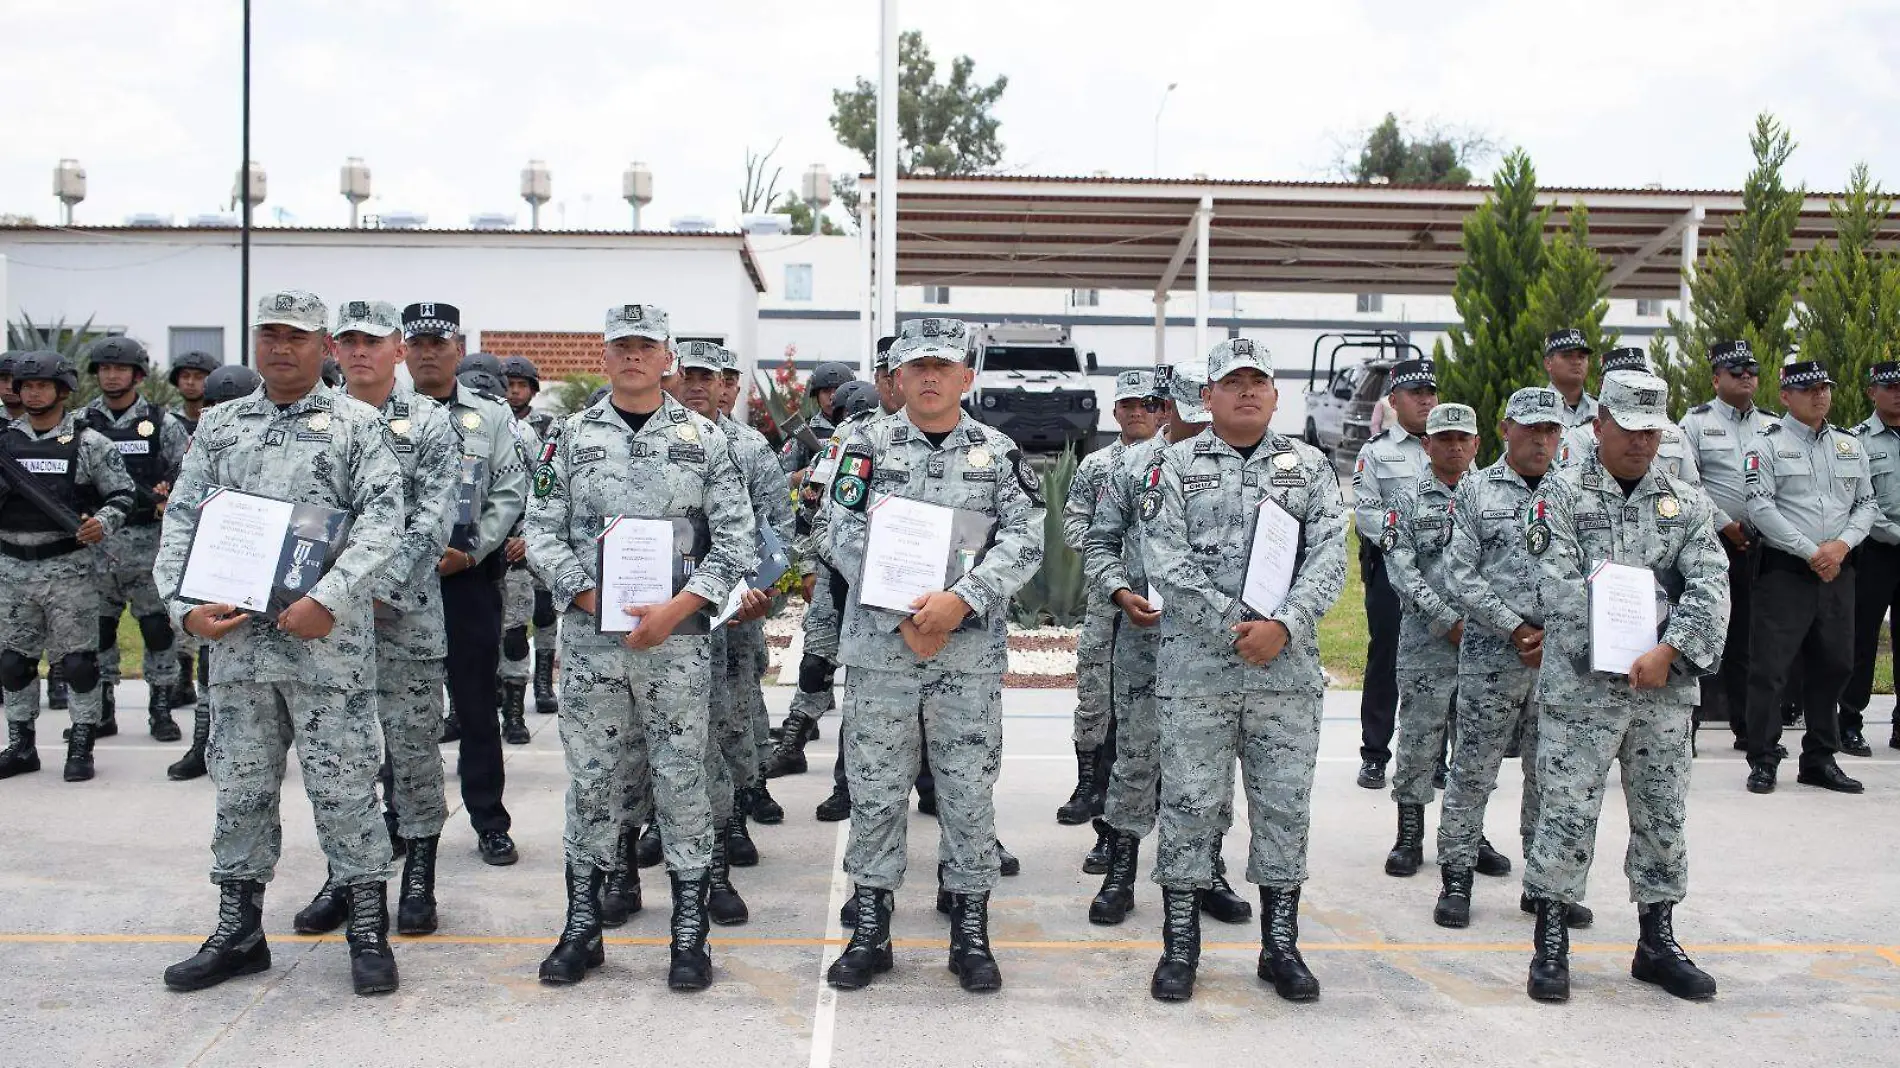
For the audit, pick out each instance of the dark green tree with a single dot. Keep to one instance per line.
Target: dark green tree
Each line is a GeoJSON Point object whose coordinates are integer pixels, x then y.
{"type": "Point", "coordinates": [1433, 158]}
{"type": "Point", "coordinates": [1849, 315]}
{"type": "Point", "coordinates": [803, 213]}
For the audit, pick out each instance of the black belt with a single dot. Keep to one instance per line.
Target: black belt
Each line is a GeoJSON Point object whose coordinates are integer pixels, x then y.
{"type": "Point", "coordinates": [40, 552]}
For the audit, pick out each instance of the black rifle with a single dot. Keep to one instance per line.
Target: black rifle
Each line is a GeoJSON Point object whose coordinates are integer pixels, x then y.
{"type": "Point", "coordinates": [18, 480]}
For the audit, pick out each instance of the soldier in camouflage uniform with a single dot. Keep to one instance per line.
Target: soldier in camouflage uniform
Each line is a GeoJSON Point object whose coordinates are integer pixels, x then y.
{"type": "Point", "coordinates": [1674, 454]}
{"type": "Point", "coordinates": [308, 676]}
{"type": "Point", "coordinates": [796, 457]}
{"type": "Point", "coordinates": [635, 704]}
{"type": "Point", "coordinates": [1241, 683]}
{"type": "Point", "coordinates": [52, 602]}
{"type": "Point", "coordinates": [945, 660]}
{"type": "Point", "coordinates": [1094, 724]}
{"type": "Point", "coordinates": [152, 447]}
{"type": "Point", "coordinates": [187, 374]}
{"type": "Point", "coordinates": [411, 638]}
{"type": "Point", "coordinates": [1418, 527]}
{"type": "Point", "coordinates": [1491, 579]}
{"type": "Point", "coordinates": [1620, 507]}
{"type": "Point", "coordinates": [524, 384]}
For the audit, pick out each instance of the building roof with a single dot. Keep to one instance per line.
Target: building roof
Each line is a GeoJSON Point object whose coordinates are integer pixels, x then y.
{"type": "Point", "coordinates": [1281, 236]}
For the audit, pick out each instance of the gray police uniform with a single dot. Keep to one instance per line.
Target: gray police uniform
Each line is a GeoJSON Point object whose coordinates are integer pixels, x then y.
{"type": "Point", "coordinates": [959, 690]}
{"type": "Point", "coordinates": [1718, 434]}
{"type": "Point", "coordinates": [1418, 527]}
{"type": "Point", "coordinates": [270, 688]}
{"type": "Point", "coordinates": [151, 446]}
{"type": "Point", "coordinates": [517, 593]}
{"type": "Point", "coordinates": [1093, 646]}
{"type": "Point", "coordinates": [627, 714]}
{"type": "Point", "coordinates": [1876, 570]}
{"type": "Point", "coordinates": [1579, 413]}
{"type": "Point", "coordinates": [1387, 463]}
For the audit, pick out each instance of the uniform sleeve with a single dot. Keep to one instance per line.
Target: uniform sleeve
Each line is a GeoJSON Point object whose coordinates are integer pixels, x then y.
{"type": "Point", "coordinates": [735, 538]}
{"type": "Point", "coordinates": [1401, 565]}
{"type": "Point", "coordinates": [1196, 604]}
{"type": "Point", "coordinates": [1692, 439]}
{"type": "Point", "coordinates": [1865, 512]}
{"type": "Point", "coordinates": [1552, 539]}
{"type": "Point", "coordinates": [105, 472]}
{"type": "Point", "coordinates": [376, 501]}
{"type": "Point", "coordinates": [1758, 482]}
{"type": "Point", "coordinates": [1692, 469]}
{"type": "Point", "coordinates": [1079, 506]}
{"type": "Point", "coordinates": [1465, 584]}
{"type": "Point", "coordinates": [1698, 626]}
{"type": "Point", "coordinates": [430, 516]}
{"type": "Point", "coordinates": [1322, 571]}
{"type": "Point", "coordinates": [1103, 565]}
{"type": "Point", "coordinates": [1368, 504]}
{"type": "Point", "coordinates": [770, 499]}
{"type": "Point", "coordinates": [180, 524]}
{"type": "Point", "coordinates": [507, 491]}
{"type": "Point", "coordinates": [549, 555]}
{"type": "Point", "coordinates": [1016, 554]}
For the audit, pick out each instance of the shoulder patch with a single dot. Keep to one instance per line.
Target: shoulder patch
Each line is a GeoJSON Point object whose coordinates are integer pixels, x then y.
{"type": "Point", "coordinates": [1026, 476]}
{"type": "Point", "coordinates": [1703, 409]}
{"type": "Point", "coordinates": [1771, 428]}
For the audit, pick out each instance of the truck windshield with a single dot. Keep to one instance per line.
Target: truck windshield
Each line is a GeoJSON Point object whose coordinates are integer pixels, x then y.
{"type": "Point", "coordinates": [1036, 358]}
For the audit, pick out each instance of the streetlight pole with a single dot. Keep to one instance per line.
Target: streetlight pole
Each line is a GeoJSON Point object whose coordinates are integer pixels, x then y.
{"type": "Point", "coordinates": [887, 170]}
{"type": "Point", "coordinates": [244, 205]}
{"type": "Point", "coordinates": [1159, 108]}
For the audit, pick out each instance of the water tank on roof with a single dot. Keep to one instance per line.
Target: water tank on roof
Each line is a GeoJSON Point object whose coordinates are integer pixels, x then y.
{"type": "Point", "coordinates": [213, 219]}
{"type": "Point", "coordinates": [693, 224]}
{"type": "Point", "coordinates": [766, 224]}
{"type": "Point", "coordinates": [492, 220]}
{"type": "Point", "coordinates": [404, 220]}
{"type": "Point", "coordinates": [69, 185]}
{"type": "Point", "coordinates": [148, 218]}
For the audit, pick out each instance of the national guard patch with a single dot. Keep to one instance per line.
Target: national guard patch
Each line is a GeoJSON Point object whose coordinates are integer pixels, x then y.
{"type": "Point", "coordinates": [1150, 504]}
{"type": "Point", "coordinates": [544, 480]}
{"type": "Point", "coordinates": [849, 492]}
{"type": "Point", "coordinates": [1668, 507]}
{"type": "Point", "coordinates": [1537, 533]}
{"type": "Point", "coordinates": [1286, 461]}
{"type": "Point", "coordinates": [1389, 535]}
{"type": "Point", "coordinates": [1026, 476]}
{"type": "Point", "coordinates": [1751, 467]}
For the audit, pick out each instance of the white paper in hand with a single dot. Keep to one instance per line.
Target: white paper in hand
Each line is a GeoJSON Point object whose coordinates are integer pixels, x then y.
{"type": "Point", "coordinates": [906, 553]}
{"type": "Point", "coordinates": [1622, 616]}
{"type": "Point", "coordinates": [1271, 557]}
{"type": "Point", "coordinates": [235, 553]}
{"type": "Point", "coordinates": [636, 568]}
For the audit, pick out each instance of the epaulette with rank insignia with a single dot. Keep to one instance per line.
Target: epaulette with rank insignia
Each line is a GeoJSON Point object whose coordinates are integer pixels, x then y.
{"type": "Point", "coordinates": [1772, 428]}
{"type": "Point", "coordinates": [1703, 409]}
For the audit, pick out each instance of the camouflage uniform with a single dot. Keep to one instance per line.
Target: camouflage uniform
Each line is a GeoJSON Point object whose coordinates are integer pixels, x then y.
{"type": "Point", "coordinates": [1215, 706]}
{"type": "Point", "coordinates": [1418, 526]}
{"type": "Point", "coordinates": [746, 655]}
{"type": "Point", "coordinates": [52, 602]}
{"type": "Point", "coordinates": [958, 691]}
{"type": "Point", "coordinates": [1112, 559]}
{"type": "Point", "coordinates": [1094, 646]}
{"type": "Point", "coordinates": [1580, 516]}
{"type": "Point", "coordinates": [146, 440]}
{"type": "Point", "coordinates": [627, 714]}
{"type": "Point", "coordinates": [271, 689]}
{"type": "Point", "coordinates": [412, 640]}
{"type": "Point", "coordinates": [1674, 453]}
{"type": "Point", "coordinates": [517, 591]}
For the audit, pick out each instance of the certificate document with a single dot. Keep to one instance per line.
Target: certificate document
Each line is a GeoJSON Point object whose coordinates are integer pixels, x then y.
{"type": "Point", "coordinates": [637, 563]}
{"type": "Point", "coordinates": [234, 554]}
{"type": "Point", "coordinates": [1272, 553]}
{"type": "Point", "coordinates": [906, 552]}
{"type": "Point", "coordinates": [1622, 616]}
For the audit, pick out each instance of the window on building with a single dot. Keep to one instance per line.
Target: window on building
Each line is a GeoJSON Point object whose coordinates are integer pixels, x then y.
{"type": "Point", "coordinates": [798, 281]}
{"type": "Point", "coordinates": [1085, 298]}
{"type": "Point", "coordinates": [1371, 303]}
{"type": "Point", "coordinates": [936, 294]}
{"type": "Point", "coordinates": [206, 339]}
{"type": "Point", "coordinates": [1649, 307]}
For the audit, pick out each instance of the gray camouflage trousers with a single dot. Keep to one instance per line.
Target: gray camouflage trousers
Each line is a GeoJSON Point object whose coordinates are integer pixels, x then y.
{"type": "Point", "coordinates": [746, 661]}
{"type": "Point", "coordinates": [1094, 648]}
{"type": "Point", "coordinates": [822, 623]}
{"type": "Point", "coordinates": [1134, 780]}
{"type": "Point", "coordinates": [338, 750]}
{"type": "Point", "coordinates": [729, 755]}
{"type": "Point", "coordinates": [517, 610]}
{"type": "Point", "coordinates": [628, 717]}
{"type": "Point", "coordinates": [1492, 705]}
{"type": "Point", "coordinates": [1276, 738]}
{"type": "Point", "coordinates": [963, 725]}
{"type": "Point", "coordinates": [129, 582]}
{"type": "Point", "coordinates": [1424, 717]}
{"type": "Point", "coordinates": [409, 704]}
{"type": "Point", "coordinates": [1575, 746]}
{"type": "Point", "coordinates": [50, 606]}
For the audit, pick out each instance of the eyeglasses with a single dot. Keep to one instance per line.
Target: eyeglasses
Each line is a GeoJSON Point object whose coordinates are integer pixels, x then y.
{"type": "Point", "coordinates": [1747, 370]}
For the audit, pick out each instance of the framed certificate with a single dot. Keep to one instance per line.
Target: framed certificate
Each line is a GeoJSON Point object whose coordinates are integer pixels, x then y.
{"type": "Point", "coordinates": [258, 553]}
{"type": "Point", "coordinates": [1623, 616]}
{"type": "Point", "coordinates": [1273, 554]}
{"type": "Point", "coordinates": [645, 562]}
{"type": "Point", "coordinates": [913, 547]}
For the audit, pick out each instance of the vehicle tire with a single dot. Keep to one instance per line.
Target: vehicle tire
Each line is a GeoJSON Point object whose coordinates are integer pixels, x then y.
{"type": "Point", "coordinates": [1312, 434]}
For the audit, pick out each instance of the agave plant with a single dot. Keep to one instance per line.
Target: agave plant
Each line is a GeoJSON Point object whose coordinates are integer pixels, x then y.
{"type": "Point", "coordinates": [572, 394]}
{"type": "Point", "coordinates": [75, 343]}
{"type": "Point", "coordinates": [1056, 594]}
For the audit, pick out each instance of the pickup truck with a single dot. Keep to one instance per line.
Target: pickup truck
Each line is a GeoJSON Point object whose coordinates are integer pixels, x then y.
{"type": "Point", "coordinates": [1339, 402]}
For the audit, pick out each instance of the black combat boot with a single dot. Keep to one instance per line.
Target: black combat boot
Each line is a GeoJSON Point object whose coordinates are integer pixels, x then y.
{"type": "Point", "coordinates": [648, 850]}
{"type": "Point", "coordinates": [415, 908]}
{"type": "Point", "coordinates": [788, 753]}
{"type": "Point", "coordinates": [1117, 895]}
{"type": "Point", "coordinates": [723, 902]}
{"type": "Point", "coordinates": [1660, 959]}
{"type": "Point", "coordinates": [1006, 863]}
{"type": "Point", "coordinates": [1454, 901]}
{"type": "Point", "coordinates": [184, 692]}
{"type": "Point", "coordinates": [1550, 960]}
{"type": "Point", "coordinates": [580, 947]}
{"type": "Point", "coordinates": [1219, 900]}
{"type": "Point", "coordinates": [970, 957]}
{"type": "Point", "coordinates": [1490, 861]}
{"type": "Point", "coordinates": [946, 901]}
{"type": "Point", "coordinates": [1408, 852]}
{"type": "Point", "coordinates": [108, 710]}
{"type": "Point", "coordinates": [514, 725]}
{"type": "Point", "coordinates": [620, 893]}
{"type": "Point", "coordinates": [372, 962]}
{"type": "Point", "coordinates": [1180, 945]}
{"type": "Point", "coordinates": [762, 806]}
{"type": "Point", "coordinates": [79, 752]}
{"type": "Point", "coordinates": [1095, 862]}
{"type": "Point", "coordinates": [327, 911]}
{"type": "Point", "coordinates": [741, 851]}
{"type": "Point", "coordinates": [1076, 809]}
{"type": "Point", "coordinates": [236, 947]}
{"type": "Point", "coordinates": [835, 808]}
{"type": "Point", "coordinates": [22, 753]}
{"type": "Point", "coordinates": [192, 764]}
{"type": "Point", "coordinates": [158, 716]}
{"type": "Point", "coordinates": [451, 725]}
{"type": "Point", "coordinates": [1280, 960]}
{"type": "Point", "coordinates": [544, 700]}
{"type": "Point", "coordinates": [692, 960]}
{"type": "Point", "coordinates": [57, 692]}
{"type": "Point", "coordinates": [868, 954]}
{"type": "Point", "coordinates": [393, 825]}
{"type": "Point", "coordinates": [1576, 914]}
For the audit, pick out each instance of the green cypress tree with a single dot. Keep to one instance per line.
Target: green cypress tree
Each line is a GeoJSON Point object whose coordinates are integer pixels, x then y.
{"type": "Point", "coordinates": [1850, 304]}
{"type": "Point", "coordinates": [1569, 294]}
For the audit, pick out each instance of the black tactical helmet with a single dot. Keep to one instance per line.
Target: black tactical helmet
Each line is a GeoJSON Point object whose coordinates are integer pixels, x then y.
{"type": "Point", "coordinates": [480, 361]}
{"type": "Point", "coordinates": [7, 360]}
{"type": "Point", "coordinates": [332, 372]}
{"type": "Point", "coordinates": [118, 352]}
{"type": "Point", "coordinates": [45, 367]}
{"type": "Point", "coordinates": [594, 397]}
{"type": "Point", "coordinates": [191, 361]}
{"type": "Point", "coordinates": [229, 382]}
{"type": "Point", "coordinates": [830, 376]}
{"type": "Point", "coordinates": [521, 367]}
{"type": "Point", "coordinates": [852, 398]}
{"type": "Point", "coordinates": [481, 379]}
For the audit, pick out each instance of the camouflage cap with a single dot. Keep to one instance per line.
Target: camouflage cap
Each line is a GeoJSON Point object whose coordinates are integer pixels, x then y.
{"type": "Point", "coordinates": [292, 307]}
{"type": "Point", "coordinates": [1625, 359]}
{"type": "Point", "coordinates": [1534, 405]}
{"type": "Point", "coordinates": [728, 361]}
{"type": "Point", "coordinates": [1447, 418]}
{"type": "Point", "coordinates": [1637, 400]}
{"type": "Point", "coordinates": [377, 318]}
{"type": "Point", "coordinates": [1134, 385]}
{"type": "Point", "coordinates": [704, 355]}
{"type": "Point", "coordinates": [1184, 389]}
{"type": "Point", "coordinates": [1235, 354]}
{"type": "Point", "coordinates": [949, 331]}
{"type": "Point", "coordinates": [638, 320]}
{"type": "Point", "coordinates": [928, 348]}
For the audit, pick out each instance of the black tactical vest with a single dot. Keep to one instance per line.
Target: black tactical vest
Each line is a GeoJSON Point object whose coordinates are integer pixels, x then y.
{"type": "Point", "coordinates": [138, 445]}
{"type": "Point", "coordinates": [54, 465]}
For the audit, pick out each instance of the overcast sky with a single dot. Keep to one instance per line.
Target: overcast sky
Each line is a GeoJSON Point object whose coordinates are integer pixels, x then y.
{"type": "Point", "coordinates": [446, 101]}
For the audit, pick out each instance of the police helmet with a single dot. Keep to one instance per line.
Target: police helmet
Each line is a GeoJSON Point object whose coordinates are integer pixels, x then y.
{"type": "Point", "coordinates": [852, 398]}
{"type": "Point", "coordinates": [830, 376]}
{"type": "Point", "coordinates": [45, 367]}
{"type": "Point", "coordinates": [599, 392]}
{"type": "Point", "coordinates": [191, 361]}
{"type": "Point", "coordinates": [118, 352]}
{"type": "Point", "coordinates": [7, 360]}
{"type": "Point", "coordinates": [481, 380]}
{"type": "Point", "coordinates": [228, 382]}
{"type": "Point", "coordinates": [522, 367]}
{"type": "Point", "coordinates": [480, 361]}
